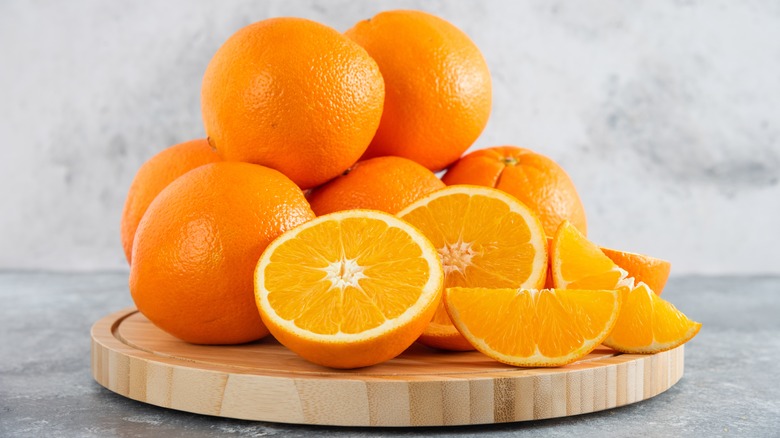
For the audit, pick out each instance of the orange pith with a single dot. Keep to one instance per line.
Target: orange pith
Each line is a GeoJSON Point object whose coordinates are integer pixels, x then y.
{"type": "Point", "coordinates": [349, 289]}
{"type": "Point", "coordinates": [534, 179]}
{"type": "Point", "coordinates": [485, 238]}
{"type": "Point", "coordinates": [649, 324]}
{"type": "Point", "coordinates": [532, 328]}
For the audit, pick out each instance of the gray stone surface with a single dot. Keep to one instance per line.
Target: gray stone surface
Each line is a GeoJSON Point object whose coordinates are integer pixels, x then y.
{"type": "Point", "coordinates": [730, 386]}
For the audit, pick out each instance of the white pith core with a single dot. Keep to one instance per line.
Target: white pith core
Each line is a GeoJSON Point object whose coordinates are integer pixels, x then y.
{"type": "Point", "coordinates": [456, 256]}
{"type": "Point", "coordinates": [344, 273]}
{"type": "Point", "coordinates": [625, 280]}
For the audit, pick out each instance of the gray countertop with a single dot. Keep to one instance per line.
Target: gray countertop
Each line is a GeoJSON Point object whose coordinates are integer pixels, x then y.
{"type": "Point", "coordinates": [729, 388]}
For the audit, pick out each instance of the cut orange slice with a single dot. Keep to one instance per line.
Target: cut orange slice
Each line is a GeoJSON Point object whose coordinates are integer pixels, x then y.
{"type": "Point", "coordinates": [577, 263]}
{"type": "Point", "coordinates": [649, 270]}
{"type": "Point", "coordinates": [533, 328]}
{"type": "Point", "coordinates": [486, 238]}
{"type": "Point", "coordinates": [349, 289]}
{"type": "Point", "coordinates": [649, 324]}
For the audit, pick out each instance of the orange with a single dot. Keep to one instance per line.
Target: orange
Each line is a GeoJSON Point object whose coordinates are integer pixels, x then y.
{"type": "Point", "coordinates": [438, 87]}
{"type": "Point", "coordinates": [293, 95]}
{"type": "Point", "coordinates": [485, 238]}
{"type": "Point", "coordinates": [384, 183]}
{"type": "Point", "coordinates": [649, 324]}
{"type": "Point", "coordinates": [533, 178]}
{"type": "Point", "coordinates": [577, 263]}
{"type": "Point", "coordinates": [197, 246]}
{"type": "Point", "coordinates": [533, 328]}
{"type": "Point", "coordinates": [155, 175]}
{"type": "Point", "coordinates": [349, 289]}
{"type": "Point", "coordinates": [650, 270]}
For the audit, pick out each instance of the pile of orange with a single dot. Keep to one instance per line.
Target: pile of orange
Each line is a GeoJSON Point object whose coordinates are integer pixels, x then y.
{"type": "Point", "coordinates": [312, 212]}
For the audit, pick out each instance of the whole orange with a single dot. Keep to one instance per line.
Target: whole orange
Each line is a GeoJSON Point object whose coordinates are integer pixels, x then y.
{"type": "Point", "coordinates": [293, 95]}
{"type": "Point", "coordinates": [438, 87]}
{"type": "Point", "coordinates": [155, 175]}
{"type": "Point", "coordinates": [536, 180]}
{"type": "Point", "coordinates": [197, 246]}
{"type": "Point", "coordinates": [384, 183]}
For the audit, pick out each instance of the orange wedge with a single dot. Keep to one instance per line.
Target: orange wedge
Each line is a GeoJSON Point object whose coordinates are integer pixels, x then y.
{"type": "Point", "coordinates": [486, 238]}
{"type": "Point", "coordinates": [650, 270]}
{"type": "Point", "coordinates": [649, 324]}
{"type": "Point", "coordinates": [577, 263]}
{"type": "Point", "coordinates": [349, 289]}
{"type": "Point", "coordinates": [533, 328]}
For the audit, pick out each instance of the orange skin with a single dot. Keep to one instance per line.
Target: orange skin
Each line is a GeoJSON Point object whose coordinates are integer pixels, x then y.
{"type": "Point", "coordinates": [293, 95]}
{"type": "Point", "coordinates": [384, 183]}
{"type": "Point", "coordinates": [537, 181]}
{"type": "Point", "coordinates": [196, 249]}
{"type": "Point", "coordinates": [438, 87]}
{"type": "Point", "coordinates": [154, 176]}
{"type": "Point", "coordinates": [650, 270]}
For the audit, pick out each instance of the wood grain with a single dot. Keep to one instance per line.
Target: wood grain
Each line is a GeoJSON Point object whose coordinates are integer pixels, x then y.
{"type": "Point", "coordinates": [422, 387]}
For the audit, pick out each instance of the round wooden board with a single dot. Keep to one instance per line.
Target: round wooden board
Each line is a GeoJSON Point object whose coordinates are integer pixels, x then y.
{"type": "Point", "coordinates": [265, 381]}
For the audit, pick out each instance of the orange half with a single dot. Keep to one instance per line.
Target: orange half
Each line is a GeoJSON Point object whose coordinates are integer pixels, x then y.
{"type": "Point", "coordinates": [349, 289]}
{"type": "Point", "coordinates": [485, 238]}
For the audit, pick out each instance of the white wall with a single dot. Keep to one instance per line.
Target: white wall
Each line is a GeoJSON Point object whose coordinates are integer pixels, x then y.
{"type": "Point", "coordinates": [666, 114]}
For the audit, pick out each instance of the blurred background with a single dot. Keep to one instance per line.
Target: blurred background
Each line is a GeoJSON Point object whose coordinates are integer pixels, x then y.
{"type": "Point", "coordinates": [666, 114]}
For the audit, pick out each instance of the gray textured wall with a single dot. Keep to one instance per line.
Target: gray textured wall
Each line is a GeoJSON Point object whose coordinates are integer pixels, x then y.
{"type": "Point", "coordinates": [665, 113]}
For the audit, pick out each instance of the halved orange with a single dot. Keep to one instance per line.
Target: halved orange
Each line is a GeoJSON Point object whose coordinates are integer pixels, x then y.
{"type": "Point", "coordinates": [486, 238]}
{"type": "Point", "coordinates": [650, 270]}
{"type": "Point", "coordinates": [349, 289]}
{"type": "Point", "coordinates": [649, 324]}
{"type": "Point", "coordinates": [577, 263]}
{"type": "Point", "coordinates": [533, 328]}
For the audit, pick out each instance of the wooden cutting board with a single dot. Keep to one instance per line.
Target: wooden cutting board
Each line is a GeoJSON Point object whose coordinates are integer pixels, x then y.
{"type": "Point", "coordinates": [422, 387]}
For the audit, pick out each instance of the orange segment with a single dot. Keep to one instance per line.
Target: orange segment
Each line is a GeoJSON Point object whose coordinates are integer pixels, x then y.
{"type": "Point", "coordinates": [649, 324]}
{"type": "Point", "coordinates": [650, 270]}
{"type": "Point", "coordinates": [349, 289]}
{"type": "Point", "coordinates": [533, 328]}
{"type": "Point", "coordinates": [577, 263]}
{"type": "Point", "coordinates": [485, 238]}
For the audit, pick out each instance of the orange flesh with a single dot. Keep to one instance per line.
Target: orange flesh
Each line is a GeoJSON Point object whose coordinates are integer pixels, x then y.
{"type": "Point", "coordinates": [301, 291]}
